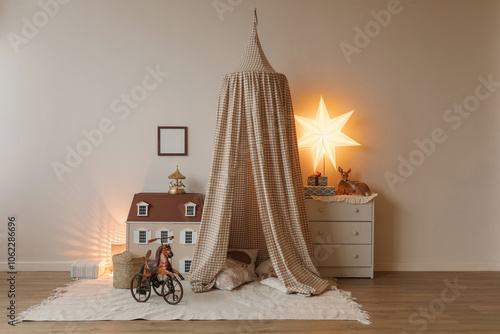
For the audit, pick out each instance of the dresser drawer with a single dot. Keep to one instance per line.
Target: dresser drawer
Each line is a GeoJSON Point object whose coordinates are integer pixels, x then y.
{"type": "Point", "coordinates": [338, 211]}
{"type": "Point", "coordinates": [341, 232]}
{"type": "Point", "coordinates": [343, 255]}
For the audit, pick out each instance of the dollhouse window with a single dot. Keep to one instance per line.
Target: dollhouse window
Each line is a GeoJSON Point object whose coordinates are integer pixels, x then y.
{"type": "Point", "coordinates": [141, 236]}
{"type": "Point", "coordinates": [185, 265]}
{"type": "Point", "coordinates": [190, 209]}
{"type": "Point", "coordinates": [162, 236]}
{"type": "Point", "coordinates": [142, 209]}
{"type": "Point", "coordinates": [188, 236]}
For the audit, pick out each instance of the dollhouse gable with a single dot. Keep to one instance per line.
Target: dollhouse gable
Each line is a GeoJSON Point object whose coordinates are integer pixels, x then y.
{"type": "Point", "coordinates": [190, 209]}
{"type": "Point", "coordinates": [142, 209]}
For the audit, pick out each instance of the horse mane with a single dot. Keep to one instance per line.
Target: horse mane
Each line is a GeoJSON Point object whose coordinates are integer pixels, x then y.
{"type": "Point", "coordinates": [158, 253]}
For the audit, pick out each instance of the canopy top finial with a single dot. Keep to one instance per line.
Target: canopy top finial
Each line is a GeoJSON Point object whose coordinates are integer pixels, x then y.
{"type": "Point", "coordinates": [254, 59]}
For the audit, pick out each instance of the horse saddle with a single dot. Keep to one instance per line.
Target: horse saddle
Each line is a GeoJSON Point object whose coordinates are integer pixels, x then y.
{"type": "Point", "coordinates": [151, 264]}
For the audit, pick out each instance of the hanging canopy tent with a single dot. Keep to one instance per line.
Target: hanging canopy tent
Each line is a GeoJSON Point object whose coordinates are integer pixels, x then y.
{"type": "Point", "coordinates": [255, 197]}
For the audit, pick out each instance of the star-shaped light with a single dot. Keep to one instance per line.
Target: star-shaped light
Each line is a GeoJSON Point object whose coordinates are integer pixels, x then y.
{"type": "Point", "coordinates": [324, 134]}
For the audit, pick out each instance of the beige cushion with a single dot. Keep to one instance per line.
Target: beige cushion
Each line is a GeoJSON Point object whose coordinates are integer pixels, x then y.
{"type": "Point", "coordinates": [275, 283]}
{"type": "Point", "coordinates": [252, 253]}
{"type": "Point", "coordinates": [233, 275]}
{"type": "Point", "coordinates": [263, 268]}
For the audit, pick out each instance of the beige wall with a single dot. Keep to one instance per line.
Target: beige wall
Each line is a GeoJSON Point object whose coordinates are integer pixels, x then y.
{"type": "Point", "coordinates": [72, 73]}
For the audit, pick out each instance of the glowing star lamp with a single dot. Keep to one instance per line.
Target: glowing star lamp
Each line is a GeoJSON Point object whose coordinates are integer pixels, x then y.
{"type": "Point", "coordinates": [324, 134]}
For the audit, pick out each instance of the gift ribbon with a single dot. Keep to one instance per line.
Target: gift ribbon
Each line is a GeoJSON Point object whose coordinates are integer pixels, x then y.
{"type": "Point", "coordinates": [316, 178]}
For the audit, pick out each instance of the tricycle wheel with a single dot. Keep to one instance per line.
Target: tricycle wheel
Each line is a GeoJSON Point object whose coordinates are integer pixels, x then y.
{"type": "Point", "coordinates": [157, 285]}
{"type": "Point", "coordinates": [140, 288]}
{"type": "Point", "coordinates": [172, 290]}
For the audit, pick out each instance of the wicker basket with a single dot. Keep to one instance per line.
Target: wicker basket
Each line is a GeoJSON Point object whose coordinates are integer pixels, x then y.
{"type": "Point", "coordinates": [126, 265]}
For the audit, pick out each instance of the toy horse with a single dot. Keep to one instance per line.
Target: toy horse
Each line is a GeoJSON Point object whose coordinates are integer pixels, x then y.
{"type": "Point", "coordinates": [168, 287]}
{"type": "Point", "coordinates": [347, 187]}
{"type": "Point", "coordinates": [161, 264]}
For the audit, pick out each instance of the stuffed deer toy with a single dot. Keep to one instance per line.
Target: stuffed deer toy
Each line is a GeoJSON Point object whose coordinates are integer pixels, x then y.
{"type": "Point", "coordinates": [347, 187]}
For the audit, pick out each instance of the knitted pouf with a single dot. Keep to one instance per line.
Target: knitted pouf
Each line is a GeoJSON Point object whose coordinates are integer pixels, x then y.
{"type": "Point", "coordinates": [125, 266]}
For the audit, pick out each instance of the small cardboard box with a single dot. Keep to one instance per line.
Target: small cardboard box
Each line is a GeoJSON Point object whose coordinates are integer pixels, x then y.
{"type": "Point", "coordinates": [319, 191]}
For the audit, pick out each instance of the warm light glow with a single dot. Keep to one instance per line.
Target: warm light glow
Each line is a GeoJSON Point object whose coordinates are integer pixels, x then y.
{"type": "Point", "coordinates": [324, 134]}
{"type": "Point", "coordinates": [118, 248]}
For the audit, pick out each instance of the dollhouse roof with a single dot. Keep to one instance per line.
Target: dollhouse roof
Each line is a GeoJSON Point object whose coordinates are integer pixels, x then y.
{"type": "Point", "coordinates": [165, 207]}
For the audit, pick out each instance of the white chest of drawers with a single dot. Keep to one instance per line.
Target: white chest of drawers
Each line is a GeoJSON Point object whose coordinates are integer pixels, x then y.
{"type": "Point", "coordinates": [342, 236]}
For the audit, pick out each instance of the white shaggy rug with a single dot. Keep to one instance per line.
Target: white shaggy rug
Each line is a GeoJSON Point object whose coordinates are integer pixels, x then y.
{"type": "Point", "coordinates": [96, 299]}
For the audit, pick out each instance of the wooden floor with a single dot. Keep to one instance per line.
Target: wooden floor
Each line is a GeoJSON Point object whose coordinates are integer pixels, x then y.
{"type": "Point", "coordinates": [398, 302]}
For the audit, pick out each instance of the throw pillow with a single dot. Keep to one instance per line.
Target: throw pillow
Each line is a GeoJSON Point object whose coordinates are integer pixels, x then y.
{"type": "Point", "coordinates": [252, 253]}
{"type": "Point", "coordinates": [275, 283]}
{"type": "Point", "coordinates": [233, 275]}
{"type": "Point", "coordinates": [240, 257]}
{"type": "Point", "coordinates": [263, 268]}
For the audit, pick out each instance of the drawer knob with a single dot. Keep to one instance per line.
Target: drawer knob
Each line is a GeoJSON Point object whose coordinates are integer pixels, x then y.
{"type": "Point", "coordinates": [355, 256]}
{"type": "Point", "coordinates": [356, 210]}
{"type": "Point", "coordinates": [320, 233]}
{"type": "Point", "coordinates": [321, 209]}
{"type": "Point", "coordinates": [355, 232]}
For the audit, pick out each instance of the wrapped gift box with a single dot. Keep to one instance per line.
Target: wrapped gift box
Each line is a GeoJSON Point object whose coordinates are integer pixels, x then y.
{"type": "Point", "coordinates": [322, 181]}
{"type": "Point", "coordinates": [90, 269]}
{"type": "Point", "coordinates": [319, 191]}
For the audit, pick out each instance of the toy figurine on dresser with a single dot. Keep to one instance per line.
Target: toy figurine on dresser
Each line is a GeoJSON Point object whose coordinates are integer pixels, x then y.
{"type": "Point", "coordinates": [349, 187]}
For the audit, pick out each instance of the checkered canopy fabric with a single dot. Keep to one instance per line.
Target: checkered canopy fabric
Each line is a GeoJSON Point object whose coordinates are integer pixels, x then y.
{"type": "Point", "coordinates": [254, 59]}
{"type": "Point", "coordinates": [255, 197]}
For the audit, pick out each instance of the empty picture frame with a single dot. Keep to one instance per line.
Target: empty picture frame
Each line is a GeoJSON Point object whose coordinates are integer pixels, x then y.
{"type": "Point", "coordinates": [172, 140]}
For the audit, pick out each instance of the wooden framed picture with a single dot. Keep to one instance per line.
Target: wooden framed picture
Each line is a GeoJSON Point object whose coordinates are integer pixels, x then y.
{"type": "Point", "coordinates": [172, 140]}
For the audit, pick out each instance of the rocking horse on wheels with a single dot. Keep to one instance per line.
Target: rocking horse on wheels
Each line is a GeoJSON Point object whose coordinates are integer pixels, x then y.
{"type": "Point", "coordinates": [169, 287]}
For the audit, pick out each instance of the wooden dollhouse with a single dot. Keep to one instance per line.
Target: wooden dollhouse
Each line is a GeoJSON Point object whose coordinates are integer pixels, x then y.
{"type": "Point", "coordinates": [162, 215]}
